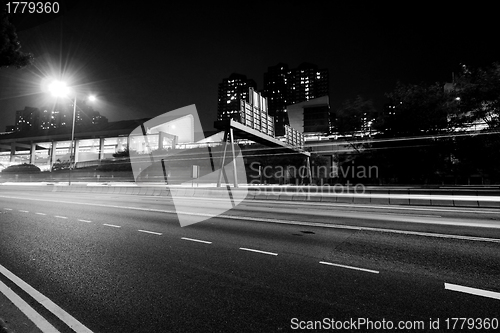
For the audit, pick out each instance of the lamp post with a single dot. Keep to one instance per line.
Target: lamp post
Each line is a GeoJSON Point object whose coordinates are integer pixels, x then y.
{"type": "Point", "coordinates": [60, 89]}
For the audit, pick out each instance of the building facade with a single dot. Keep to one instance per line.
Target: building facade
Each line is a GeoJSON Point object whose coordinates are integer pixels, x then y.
{"type": "Point", "coordinates": [56, 116]}
{"type": "Point", "coordinates": [232, 90]}
{"type": "Point", "coordinates": [284, 86]}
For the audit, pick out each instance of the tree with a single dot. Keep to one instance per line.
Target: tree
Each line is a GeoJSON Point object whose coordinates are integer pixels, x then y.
{"type": "Point", "coordinates": [354, 116]}
{"type": "Point", "coordinates": [477, 96]}
{"type": "Point", "coordinates": [10, 54]}
{"type": "Point", "coordinates": [408, 153]}
{"type": "Point", "coordinates": [418, 110]}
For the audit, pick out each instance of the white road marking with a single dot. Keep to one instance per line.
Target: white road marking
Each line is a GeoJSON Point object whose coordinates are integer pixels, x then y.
{"type": "Point", "coordinates": [258, 251]}
{"type": "Point", "coordinates": [87, 221]}
{"type": "Point", "coordinates": [196, 240]}
{"type": "Point", "coordinates": [358, 228]}
{"type": "Point", "coordinates": [28, 311]}
{"type": "Point", "coordinates": [375, 206]}
{"type": "Point", "coordinates": [301, 223]}
{"type": "Point", "coordinates": [40, 214]}
{"type": "Point", "coordinates": [472, 291]}
{"type": "Point", "coordinates": [350, 267]}
{"type": "Point", "coordinates": [24, 211]}
{"type": "Point", "coordinates": [47, 303]}
{"type": "Point", "coordinates": [60, 217]}
{"type": "Point", "coordinates": [151, 232]}
{"type": "Point", "coordinates": [111, 225]}
{"type": "Point", "coordinates": [8, 208]}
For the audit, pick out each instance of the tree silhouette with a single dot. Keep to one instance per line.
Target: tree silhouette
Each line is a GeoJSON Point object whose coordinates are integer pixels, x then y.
{"type": "Point", "coordinates": [10, 54]}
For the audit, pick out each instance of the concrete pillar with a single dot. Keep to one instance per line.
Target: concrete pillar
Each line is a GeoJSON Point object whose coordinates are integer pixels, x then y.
{"type": "Point", "coordinates": [52, 157]}
{"type": "Point", "coordinates": [161, 135]}
{"type": "Point", "coordinates": [76, 149]}
{"type": "Point", "coordinates": [101, 148]}
{"type": "Point", "coordinates": [12, 151]}
{"type": "Point", "coordinates": [33, 153]}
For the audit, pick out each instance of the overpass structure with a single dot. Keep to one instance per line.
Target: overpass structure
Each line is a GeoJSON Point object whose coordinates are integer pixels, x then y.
{"type": "Point", "coordinates": [234, 130]}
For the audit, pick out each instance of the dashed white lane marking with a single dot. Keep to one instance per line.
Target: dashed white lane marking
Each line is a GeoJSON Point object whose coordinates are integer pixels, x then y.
{"type": "Point", "coordinates": [40, 214]}
{"type": "Point", "coordinates": [8, 208]}
{"type": "Point", "coordinates": [60, 217]}
{"type": "Point", "coordinates": [196, 240]}
{"type": "Point", "coordinates": [24, 211]}
{"type": "Point", "coordinates": [349, 267]}
{"type": "Point", "coordinates": [25, 308]}
{"type": "Point", "coordinates": [472, 291]}
{"type": "Point", "coordinates": [290, 222]}
{"type": "Point", "coordinates": [111, 225]}
{"type": "Point", "coordinates": [150, 232]}
{"type": "Point", "coordinates": [87, 221]}
{"type": "Point", "coordinates": [69, 320]}
{"type": "Point", "coordinates": [258, 251]}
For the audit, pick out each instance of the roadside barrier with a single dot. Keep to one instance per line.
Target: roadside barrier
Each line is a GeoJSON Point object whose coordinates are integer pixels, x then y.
{"type": "Point", "coordinates": [394, 196]}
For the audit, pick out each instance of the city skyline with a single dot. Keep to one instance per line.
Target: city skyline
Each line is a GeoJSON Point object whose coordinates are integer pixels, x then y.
{"type": "Point", "coordinates": [142, 65]}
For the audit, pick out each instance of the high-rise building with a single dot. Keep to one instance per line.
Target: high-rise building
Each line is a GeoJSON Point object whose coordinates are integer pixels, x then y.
{"type": "Point", "coordinates": [307, 82]}
{"type": "Point", "coordinates": [231, 91]}
{"type": "Point", "coordinates": [25, 119]}
{"type": "Point", "coordinates": [59, 115]}
{"type": "Point", "coordinates": [284, 86]}
{"type": "Point", "coordinates": [276, 82]}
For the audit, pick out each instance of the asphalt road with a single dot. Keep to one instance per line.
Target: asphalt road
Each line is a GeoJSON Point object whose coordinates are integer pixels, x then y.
{"type": "Point", "coordinates": [122, 263]}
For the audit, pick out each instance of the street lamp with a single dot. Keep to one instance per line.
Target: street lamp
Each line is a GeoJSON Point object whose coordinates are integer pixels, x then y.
{"type": "Point", "coordinates": [60, 89]}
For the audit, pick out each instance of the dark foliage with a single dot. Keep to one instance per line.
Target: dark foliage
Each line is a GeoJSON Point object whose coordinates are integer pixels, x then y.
{"type": "Point", "coordinates": [22, 168]}
{"type": "Point", "coordinates": [10, 47]}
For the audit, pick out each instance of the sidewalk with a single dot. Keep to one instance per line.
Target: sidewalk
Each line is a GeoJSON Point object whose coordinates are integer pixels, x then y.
{"type": "Point", "coordinates": [13, 320]}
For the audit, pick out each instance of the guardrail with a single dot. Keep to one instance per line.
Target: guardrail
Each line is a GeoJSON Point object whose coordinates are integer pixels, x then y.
{"type": "Point", "coordinates": [394, 196]}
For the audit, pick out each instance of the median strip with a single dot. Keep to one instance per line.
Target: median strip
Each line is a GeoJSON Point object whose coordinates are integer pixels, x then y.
{"type": "Point", "coordinates": [349, 267]}
{"type": "Point", "coordinates": [472, 291]}
{"type": "Point", "coordinates": [258, 251]}
{"type": "Point", "coordinates": [196, 240]}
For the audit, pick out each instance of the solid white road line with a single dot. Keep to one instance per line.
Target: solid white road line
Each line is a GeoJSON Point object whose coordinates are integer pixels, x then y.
{"type": "Point", "coordinates": [28, 311]}
{"type": "Point", "coordinates": [258, 251]}
{"type": "Point", "coordinates": [60, 217]}
{"type": "Point", "coordinates": [150, 232]}
{"type": "Point", "coordinates": [40, 214]}
{"type": "Point", "coordinates": [196, 240]}
{"type": "Point", "coordinates": [111, 225]}
{"type": "Point", "coordinates": [350, 267]}
{"type": "Point", "coordinates": [87, 221]}
{"type": "Point", "coordinates": [472, 291]}
{"type": "Point", "coordinates": [47, 303]}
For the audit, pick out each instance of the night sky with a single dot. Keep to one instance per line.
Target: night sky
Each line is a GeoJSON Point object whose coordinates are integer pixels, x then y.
{"type": "Point", "coordinates": [144, 58]}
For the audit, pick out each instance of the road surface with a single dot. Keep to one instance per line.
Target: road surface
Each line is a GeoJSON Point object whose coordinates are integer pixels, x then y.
{"type": "Point", "coordinates": [122, 263]}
